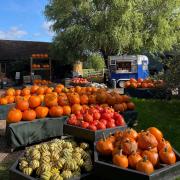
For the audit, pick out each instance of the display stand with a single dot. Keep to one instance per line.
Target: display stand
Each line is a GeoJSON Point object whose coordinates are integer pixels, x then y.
{"type": "Point", "coordinates": [4, 110]}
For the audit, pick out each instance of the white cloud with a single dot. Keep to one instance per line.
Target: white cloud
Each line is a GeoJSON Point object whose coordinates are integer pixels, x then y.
{"type": "Point", "coordinates": [46, 26]}
{"type": "Point", "coordinates": [13, 33]}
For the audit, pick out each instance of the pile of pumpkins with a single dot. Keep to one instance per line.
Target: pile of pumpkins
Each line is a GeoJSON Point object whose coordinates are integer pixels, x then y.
{"type": "Point", "coordinates": [146, 83]}
{"type": "Point", "coordinates": [39, 102]}
{"type": "Point", "coordinates": [41, 82]}
{"type": "Point", "coordinates": [57, 160]}
{"type": "Point", "coordinates": [39, 56]}
{"type": "Point", "coordinates": [40, 66]}
{"type": "Point", "coordinates": [143, 151]}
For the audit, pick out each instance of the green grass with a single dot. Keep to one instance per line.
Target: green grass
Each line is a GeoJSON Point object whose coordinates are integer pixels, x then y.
{"type": "Point", "coordinates": [164, 115]}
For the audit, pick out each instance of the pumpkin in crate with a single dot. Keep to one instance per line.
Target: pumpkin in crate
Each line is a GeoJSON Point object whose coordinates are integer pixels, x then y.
{"type": "Point", "coordinates": [130, 133]}
{"type": "Point", "coordinates": [133, 159]}
{"type": "Point", "coordinates": [156, 132]}
{"type": "Point", "coordinates": [14, 115]}
{"type": "Point", "coordinates": [22, 104]}
{"type": "Point", "coordinates": [146, 140]}
{"type": "Point", "coordinates": [50, 100]}
{"type": "Point", "coordinates": [152, 156]}
{"type": "Point", "coordinates": [164, 144]}
{"type": "Point", "coordinates": [56, 111]}
{"type": "Point", "coordinates": [41, 112]}
{"type": "Point", "coordinates": [167, 156]}
{"type": "Point", "coordinates": [29, 115]}
{"type": "Point", "coordinates": [66, 110]}
{"type": "Point", "coordinates": [25, 91]}
{"type": "Point", "coordinates": [34, 101]}
{"type": "Point", "coordinates": [145, 166]}
{"type": "Point", "coordinates": [10, 92]}
{"type": "Point", "coordinates": [120, 160]}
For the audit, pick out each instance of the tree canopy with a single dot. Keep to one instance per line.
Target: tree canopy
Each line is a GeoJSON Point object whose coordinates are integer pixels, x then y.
{"type": "Point", "coordinates": [113, 26]}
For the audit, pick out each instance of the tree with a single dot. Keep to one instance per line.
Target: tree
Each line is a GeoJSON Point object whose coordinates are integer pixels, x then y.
{"type": "Point", "coordinates": [94, 61]}
{"type": "Point", "coordinates": [113, 26]}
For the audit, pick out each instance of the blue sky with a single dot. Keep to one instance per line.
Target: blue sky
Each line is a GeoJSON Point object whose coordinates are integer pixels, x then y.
{"type": "Point", "coordinates": [24, 20]}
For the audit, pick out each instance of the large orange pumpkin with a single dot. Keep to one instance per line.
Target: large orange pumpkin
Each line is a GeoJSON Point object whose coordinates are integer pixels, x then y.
{"type": "Point", "coordinates": [41, 112]}
{"type": "Point", "coordinates": [74, 98]}
{"type": "Point", "coordinates": [66, 110]}
{"type": "Point", "coordinates": [25, 91]}
{"type": "Point", "coordinates": [56, 111]}
{"type": "Point", "coordinates": [34, 89]}
{"type": "Point", "coordinates": [76, 108]}
{"type": "Point", "coordinates": [29, 115]}
{"type": "Point", "coordinates": [34, 101]}
{"type": "Point", "coordinates": [40, 90]}
{"type": "Point", "coordinates": [10, 92]}
{"type": "Point", "coordinates": [14, 115]}
{"type": "Point", "coordinates": [22, 104]}
{"type": "Point", "coordinates": [84, 99]}
{"type": "Point", "coordinates": [50, 100]}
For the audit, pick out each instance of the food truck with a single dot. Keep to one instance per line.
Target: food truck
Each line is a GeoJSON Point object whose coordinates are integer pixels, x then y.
{"type": "Point", "coordinates": [122, 68]}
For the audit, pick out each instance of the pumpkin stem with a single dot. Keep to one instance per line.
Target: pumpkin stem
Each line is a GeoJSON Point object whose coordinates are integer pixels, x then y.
{"type": "Point", "coordinates": [145, 158]}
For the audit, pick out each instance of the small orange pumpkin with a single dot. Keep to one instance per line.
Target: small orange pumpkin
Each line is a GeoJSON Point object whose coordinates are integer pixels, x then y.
{"type": "Point", "coordinates": [133, 159]}
{"type": "Point", "coordinates": [66, 110]}
{"type": "Point", "coordinates": [17, 92]}
{"type": "Point", "coordinates": [120, 160]}
{"type": "Point", "coordinates": [76, 108]}
{"type": "Point", "coordinates": [156, 132]}
{"type": "Point", "coordinates": [56, 111]}
{"type": "Point", "coordinates": [10, 92]}
{"type": "Point", "coordinates": [151, 156]}
{"type": "Point", "coordinates": [40, 90]}
{"type": "Point", "coordinates": [14, 116]}
{"type": "Point", "coordinates": [3, 101]}
{"type": "Point", "coordinates": [34, 101]}
{"type": "Point", "coordinates": [25, 92]}
{"type": "Point", "coordinates": [29, 115]}
{"type": "Point", "coordinates": [50, 100]}
{"type": "Point", "coordinates": [22, 105]}
{"type": "Point", "coordinates": [41, 112]}
{"type": "Point", "coordinates": [84, 99]}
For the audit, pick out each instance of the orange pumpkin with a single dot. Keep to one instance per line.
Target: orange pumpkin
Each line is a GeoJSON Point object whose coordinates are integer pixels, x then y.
{"type": "Point", "coordinates": [130, 133]}
{"type": "Point", "coordinates": [56, 111]}
{"type": "Point", "coordinates": [41, 112]}
{"type": "Point", "coordinates": [18, 98]}
{"type": "Point", "coordinates": [92, 99]}
{"type": "Point", "coordinates": [167, 156]}
{"type": "Point", "coordinates": [120, 160]}
{"type": "Point", "coordinates": [130, 106]}
{"type": "Point", "coordinates": [78, 89]}
{"type": "Point", "coordinates": [50, 100]}
{"type": "Point", "coordinates": [34, 89]}
{"type": "Point", "coordinates": [22, 105]}
{"type": "Point", "coordinates": [10, 92]}
{"type": "Point", "coordinates": [76, 108]}
{"type": "Point", "coordinates": [26, 97]}
{"type": "Point", "coordinates": [146, 140]}
{"type": "Point", "coordinates": [126, 98]}
{"type": "Point", "coordinates": [74, 98]}
{"type": "Point", "coordinates": [119, 107]}
{"type": "Point", "coordinates": [58, 89]}
{"type": "Point", "coordinates": [156, 132]}
{"type": "Point", "coordinates": [66, 110]}
{"type": "Point", "coordinates": [14, 115]}
{"type": "Point", "coordinates": [84, 99]}
{"type": "Point", "coordinates": [10, 99]}
{"type": "Point", "coordinates": [101, 97]}
{"type": "Point", "coordinates": [25, 91]}
{"type": "Point", "coordinates": [40, 90]}
{"type": "Point", "coordinates": [29, 115]}
{"type": "Point", "coordinates": [41, 96]}
{"type": "Point", "coordinates": [17, 92]}
{"type": "Point", "coordinates": [133, 159]}
{"type": "Point", "coordinates": [164, 144]}
{"type": "Point", "coordinates": [48, 90]}
{"type": "Point", "coordinates": [34, 101]}
{"type": "Point", "coordinates": [60, 86]}
{"type": "Point", "coordinates": [151, 156]}
{"type": "Point", "coordinates": [145, 166]}
{"type": "Point", "coordinates": [111, 100]}
{"type": "Point", "coordinates": [63, 100]}
{"type": "Point", "coordinates": [3, 101]}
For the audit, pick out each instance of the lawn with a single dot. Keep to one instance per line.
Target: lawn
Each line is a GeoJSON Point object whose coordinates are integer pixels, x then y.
{"type": "Point", "coordinates": [164, 115]}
